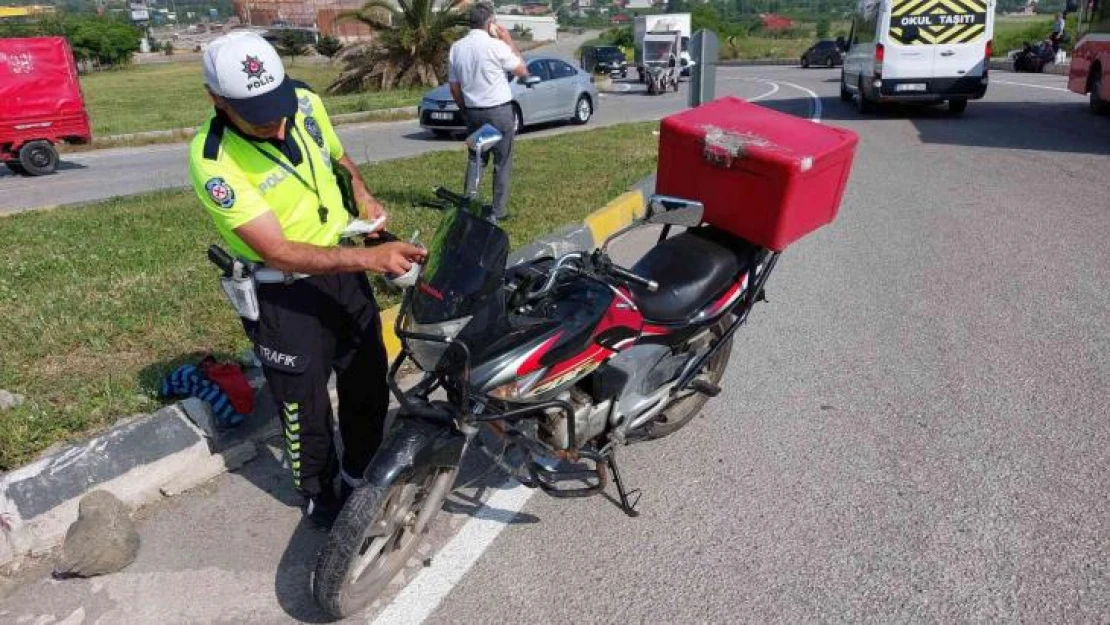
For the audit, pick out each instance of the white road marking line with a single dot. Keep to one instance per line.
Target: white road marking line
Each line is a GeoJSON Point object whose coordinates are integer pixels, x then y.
{"type": "Point", "coordinates": [815, 110]}
{"type": "Point", "coordinates": [1023, 84]}
{"type": "Point", "coordinates": [774, 89]}
{"type": "Point", "coordinates": [423, 595]}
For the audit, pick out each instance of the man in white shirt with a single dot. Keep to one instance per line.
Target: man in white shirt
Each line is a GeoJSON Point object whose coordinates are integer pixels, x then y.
{"type": "Point", "coordinates": [477, 66]}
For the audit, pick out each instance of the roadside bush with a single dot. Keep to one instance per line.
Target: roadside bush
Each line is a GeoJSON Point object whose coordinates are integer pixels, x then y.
{"type": "Point", "coordinates": [822, 29]}
{"type": "Point", "coordinates": [329, 46]}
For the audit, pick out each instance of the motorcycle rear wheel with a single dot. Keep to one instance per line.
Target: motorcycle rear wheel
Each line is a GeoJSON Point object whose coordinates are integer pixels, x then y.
{"type": "Point", "coordinates": [685, 407]}
{"type": "Point", "coordinates": [377, 532]}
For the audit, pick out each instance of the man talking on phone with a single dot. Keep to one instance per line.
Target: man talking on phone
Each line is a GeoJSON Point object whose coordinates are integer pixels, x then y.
{"type": "Point", "coordinates": [477, 66]}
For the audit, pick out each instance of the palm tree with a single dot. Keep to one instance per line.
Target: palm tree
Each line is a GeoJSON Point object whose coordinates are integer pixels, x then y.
{"type": "Point", "coordinates": [410, 49]}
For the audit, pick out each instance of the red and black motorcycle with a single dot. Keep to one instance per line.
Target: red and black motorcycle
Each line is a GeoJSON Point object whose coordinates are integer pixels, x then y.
{"type": "Point", "coordinates": [548, 366]}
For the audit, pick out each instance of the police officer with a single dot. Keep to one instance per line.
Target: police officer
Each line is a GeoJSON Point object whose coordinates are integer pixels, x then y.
{"type": "Point", "coordinates": [262, 167]}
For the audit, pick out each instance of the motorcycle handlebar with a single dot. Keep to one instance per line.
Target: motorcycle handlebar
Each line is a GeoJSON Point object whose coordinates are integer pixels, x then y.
{"type": "Point", "coordinates": [628, 276]}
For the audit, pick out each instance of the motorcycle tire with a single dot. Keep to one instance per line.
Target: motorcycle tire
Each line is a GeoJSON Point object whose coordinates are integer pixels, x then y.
{"type": "Point", "coordinates": [683, 409]}
{"type": "Point", "coordinates": [376, 533]}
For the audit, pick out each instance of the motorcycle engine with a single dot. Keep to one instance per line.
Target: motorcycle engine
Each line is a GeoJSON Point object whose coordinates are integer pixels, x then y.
{"type": "Point", "coordinates": [590, 420]}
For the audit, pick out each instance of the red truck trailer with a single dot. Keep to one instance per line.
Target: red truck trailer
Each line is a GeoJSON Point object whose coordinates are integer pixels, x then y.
{"type": "Point", "coordinates": [40, 103]}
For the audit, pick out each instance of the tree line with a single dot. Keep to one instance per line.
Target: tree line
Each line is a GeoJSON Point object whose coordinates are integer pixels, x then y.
{"type": "Point", "coordinates": [97, 40]}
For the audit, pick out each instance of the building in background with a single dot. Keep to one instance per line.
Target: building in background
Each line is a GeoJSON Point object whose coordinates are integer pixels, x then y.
{"type": "Point", "coordinates": [535, 7]}
{"type": "Point", "coordinates": [542, 27]}
{"type": "Point", "coordinates": [315, 14]}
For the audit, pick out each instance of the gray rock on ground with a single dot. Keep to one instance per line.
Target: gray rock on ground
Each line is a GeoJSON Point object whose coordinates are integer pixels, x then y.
{"type": "Point", "coordinates": [9, 399]}
{"type": "Point", "coordinates": [102, 540]}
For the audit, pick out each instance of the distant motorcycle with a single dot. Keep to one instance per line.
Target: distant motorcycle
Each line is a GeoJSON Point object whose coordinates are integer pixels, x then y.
{"type": "Point", "coordinates": [548, 367]}
{"type": "Point", "coordinates": [1033, 57]}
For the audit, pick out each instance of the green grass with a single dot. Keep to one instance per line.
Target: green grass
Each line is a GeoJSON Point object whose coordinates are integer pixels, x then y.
{"type": "Point", "coordinates": [99, 302]}
{"type": "Point", "coordinates": [751, 48]}
{"type": "Point", "coordinates": [171, 95]}
{"type": "Point", "coordinates": [1011, 31]}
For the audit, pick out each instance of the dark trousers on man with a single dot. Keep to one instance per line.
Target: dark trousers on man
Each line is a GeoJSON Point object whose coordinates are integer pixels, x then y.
{"type": "Point", "coordinates": [504, 120]}
{"type": "Point", "coordinates": [305, 331]}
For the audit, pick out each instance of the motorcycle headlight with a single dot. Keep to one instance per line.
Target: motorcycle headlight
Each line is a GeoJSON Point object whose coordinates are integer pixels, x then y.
{"type": "Point", "coordinates": [519, 387]}
{"type": "Point", "coordinates": [427, 354]}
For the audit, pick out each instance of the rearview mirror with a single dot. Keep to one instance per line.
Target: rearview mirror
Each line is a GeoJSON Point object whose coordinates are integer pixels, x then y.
{"type": "Point", "coordinates": [483, 139]}
{"type": "Point", "coordinates": [674, 211]}
{"type": "Point", "coordinates": [531, 81]}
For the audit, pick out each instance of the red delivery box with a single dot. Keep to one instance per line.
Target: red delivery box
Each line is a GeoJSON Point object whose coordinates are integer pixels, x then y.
{"type": "Point", "coordinates": [765, 176]}
{"type": "Point", "coordinates": [40, 102]}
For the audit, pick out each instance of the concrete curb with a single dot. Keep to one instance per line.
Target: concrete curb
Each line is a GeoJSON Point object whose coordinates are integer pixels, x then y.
{"type": "Point", "coordinates": [754, 62]}
{"type": "Point", "coordinates": [133, 461]}
{"type": "Point", "coordinates": [145, 458]}
{"type": "Point", "coordinates": [1008, 66]}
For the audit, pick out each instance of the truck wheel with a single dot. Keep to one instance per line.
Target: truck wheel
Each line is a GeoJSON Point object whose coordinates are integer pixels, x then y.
{"type": "Point", "coordinates": [15, 167]}
{"type": "Point", "coordinates": [38, 158]}
{"type": "Point", "coordinates": [957, 106]}
{"type": "Point", "coordinates": [1098, 105]}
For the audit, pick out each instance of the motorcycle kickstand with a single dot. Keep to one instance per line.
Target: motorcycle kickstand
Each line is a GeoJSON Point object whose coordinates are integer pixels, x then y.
{"type": "Point", "coordinates": [628, 508]}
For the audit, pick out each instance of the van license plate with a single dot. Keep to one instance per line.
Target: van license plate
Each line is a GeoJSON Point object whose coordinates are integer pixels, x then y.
{"type": "Point", "coordinates": [911, 86]}
{"type": "Point", "coordinates": [442, 116]}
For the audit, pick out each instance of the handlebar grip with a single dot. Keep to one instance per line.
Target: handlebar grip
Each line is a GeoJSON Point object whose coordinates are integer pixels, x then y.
{"type": "Point", "coordinates": [221, 259]}
{"type": "Point", "coordinates": [450, 196]}
{"type": "Point", "coordinates": [628, 276]}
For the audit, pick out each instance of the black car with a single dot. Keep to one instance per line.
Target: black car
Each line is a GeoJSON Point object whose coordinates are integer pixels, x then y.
{"type": "Point", "coordinates": [604, 60]}
{"type": "Point", "coordinates": [826, 52]}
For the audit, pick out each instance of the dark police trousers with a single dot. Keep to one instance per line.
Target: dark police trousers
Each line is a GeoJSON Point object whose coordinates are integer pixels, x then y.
{"type": "Point", "coordinates": [305, 331]}
{"type": "Point", "coordinates": [502, 118]}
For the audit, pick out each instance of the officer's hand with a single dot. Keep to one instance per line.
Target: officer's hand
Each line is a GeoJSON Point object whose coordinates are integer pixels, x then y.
{"type": "Point", "coordinates": [396, 257]}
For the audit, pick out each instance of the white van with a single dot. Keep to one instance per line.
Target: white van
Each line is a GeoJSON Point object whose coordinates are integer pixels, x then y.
{"type": "Point", "coordinates": [926, 51]}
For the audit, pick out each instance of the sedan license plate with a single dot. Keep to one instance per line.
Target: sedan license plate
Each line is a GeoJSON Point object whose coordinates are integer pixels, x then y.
{"type": "Point", "coordinates": [442, 116]}
{"type": "Point", "coordinates": [910, 86]}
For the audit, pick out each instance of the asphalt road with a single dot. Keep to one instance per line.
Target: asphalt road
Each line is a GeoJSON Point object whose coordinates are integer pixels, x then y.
{"type": "Point", "coordinates": [913, 428]}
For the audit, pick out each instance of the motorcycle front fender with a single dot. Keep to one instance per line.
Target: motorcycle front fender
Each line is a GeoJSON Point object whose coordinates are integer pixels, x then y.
{"type": "Point", "coordinates": [413, 443]}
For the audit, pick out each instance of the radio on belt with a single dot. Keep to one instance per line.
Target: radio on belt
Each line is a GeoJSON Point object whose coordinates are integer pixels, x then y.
{"type": "Point", "coordinates": [765, 176]}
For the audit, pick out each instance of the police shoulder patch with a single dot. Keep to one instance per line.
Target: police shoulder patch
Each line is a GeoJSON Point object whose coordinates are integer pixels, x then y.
{"type": "Point", "coordinates": [305, 105]}
{"type": "Point", "coordinates": [220, 192]}
{"type": "Point", "coordinates": [314, 131]}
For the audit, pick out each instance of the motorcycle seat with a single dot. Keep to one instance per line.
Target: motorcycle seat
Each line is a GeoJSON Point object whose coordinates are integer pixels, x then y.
{"type": "Point", "coordinates": [691, 268]}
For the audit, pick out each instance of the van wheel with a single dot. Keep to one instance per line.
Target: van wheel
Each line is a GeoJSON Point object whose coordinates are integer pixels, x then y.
{"type": "Point", "coordinates": [38, 158]}
{"type": "Point", "coordinates": [957, 107]}
{"type": "Point", "coordinates": [863, 105]}
{"type": "Point", "coordinates": [1098, 105]}
{"type": "Point", "coordinates": [845, 95]}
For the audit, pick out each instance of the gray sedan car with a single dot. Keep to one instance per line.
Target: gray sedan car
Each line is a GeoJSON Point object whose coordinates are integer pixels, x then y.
{"type": "Point", "coordinates": [562, 93]}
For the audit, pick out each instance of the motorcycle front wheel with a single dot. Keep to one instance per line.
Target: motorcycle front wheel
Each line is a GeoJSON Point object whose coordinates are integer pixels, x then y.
{"type": "Point", "coordinates": [377, 532]}
{"type": "Point", "coordinates": [687, 405]}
